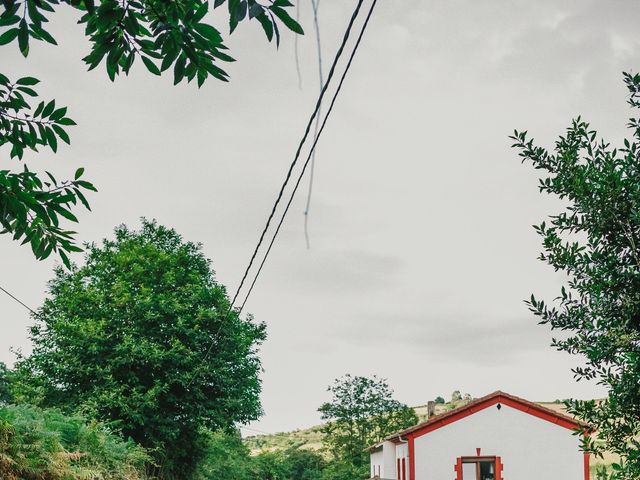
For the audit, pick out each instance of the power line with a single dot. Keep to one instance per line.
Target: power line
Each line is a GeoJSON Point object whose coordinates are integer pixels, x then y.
{"type": "Point", "coordinates": [288, 176]}
{"type": "Point", "coordinates": [300, 145]}
{"type": "Point", "coordinates": [324, 122]}
{"type": "Point", "coordinates": [18, 300]}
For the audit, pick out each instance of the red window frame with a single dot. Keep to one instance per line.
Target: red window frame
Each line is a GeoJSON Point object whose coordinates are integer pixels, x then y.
{"type": "Point", "coordinates": [497, 465]}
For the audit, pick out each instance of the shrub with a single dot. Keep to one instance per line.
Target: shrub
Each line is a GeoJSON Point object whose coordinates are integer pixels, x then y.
{"type": "Point", "coordinates": [40, 444]}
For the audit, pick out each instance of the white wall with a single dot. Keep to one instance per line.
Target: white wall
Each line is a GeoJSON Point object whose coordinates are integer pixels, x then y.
{"type": "Point", "coordinates": [531, 448]}
{"type": "Point", "coordinates": [385, 459]}
{"type": "Point", "coordinates": [402, 452]}
{"type": "Point", "coordinates": [376, 460]}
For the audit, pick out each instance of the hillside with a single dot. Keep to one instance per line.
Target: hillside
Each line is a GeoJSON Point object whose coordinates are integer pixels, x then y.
{"type": "Point", "coordinates": [312, 437]}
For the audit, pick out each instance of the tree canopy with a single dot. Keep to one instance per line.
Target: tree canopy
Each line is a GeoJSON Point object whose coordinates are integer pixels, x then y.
{"type": "Point", "coordinates": [595, 242]}
{"type": "Point", "coordinates": [141, 336]}
{"type": "Point", "coordinates": [362, 411]}
{"type": "Point", "coordinates": [163, 34]}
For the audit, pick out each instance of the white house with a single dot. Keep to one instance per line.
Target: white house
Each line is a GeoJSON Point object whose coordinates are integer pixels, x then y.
{"type": "Point", "coordinates": [497, 437]}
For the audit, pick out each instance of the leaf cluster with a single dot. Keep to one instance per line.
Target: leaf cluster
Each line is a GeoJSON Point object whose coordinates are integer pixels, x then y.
{"type": "Point", "coordinates": [163, 34]}
{"type": "Point", "coordinates": [30, 206]}
{"type": "Point", "coordinates": [595, 241]}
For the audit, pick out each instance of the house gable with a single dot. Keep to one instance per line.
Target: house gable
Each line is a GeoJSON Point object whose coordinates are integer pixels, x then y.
{"type": "Point", "coordinates": [495, 398]}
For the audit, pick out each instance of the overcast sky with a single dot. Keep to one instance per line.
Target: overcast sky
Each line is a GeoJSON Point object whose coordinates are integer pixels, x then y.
{"type": "Point", "coordinates": [422, 246]}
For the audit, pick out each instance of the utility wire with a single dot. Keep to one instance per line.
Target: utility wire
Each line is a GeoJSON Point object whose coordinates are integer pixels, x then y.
{"type": "Point", "coordinates": [286, 181]}
{"type": "Point", "coordinates": [300, 145]}
{"type": "Point", "coordinates": [324, 122]}
{"type": "Point", "coordinates": [19, 301]}
{"type": "Point", "coordinates": [315, 4]}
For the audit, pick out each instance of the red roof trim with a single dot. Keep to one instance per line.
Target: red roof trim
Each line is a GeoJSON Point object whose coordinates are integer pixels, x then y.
{"type": "Point", "coordinates": [492, 399]}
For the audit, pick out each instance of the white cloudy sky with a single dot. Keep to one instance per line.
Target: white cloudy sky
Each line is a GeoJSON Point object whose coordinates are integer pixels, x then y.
{"type": "Point", "coordinates": [422, 247]}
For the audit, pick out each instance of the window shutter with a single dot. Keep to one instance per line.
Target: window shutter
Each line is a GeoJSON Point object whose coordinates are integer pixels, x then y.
{"type": "Point", "coordinates": [458, 469]}
{"type": "Point", "coordinates": [498, 468]}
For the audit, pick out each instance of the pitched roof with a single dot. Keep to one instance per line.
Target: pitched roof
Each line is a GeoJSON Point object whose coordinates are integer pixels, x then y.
{"type": "Point", "coordinates": [494, 398]}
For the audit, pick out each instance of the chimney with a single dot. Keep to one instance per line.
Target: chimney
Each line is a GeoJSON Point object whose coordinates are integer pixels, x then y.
{"type": "Point", "coordinates": [431, 409]}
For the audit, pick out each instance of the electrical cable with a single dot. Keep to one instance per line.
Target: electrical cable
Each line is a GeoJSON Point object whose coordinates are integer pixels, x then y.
{"type": "Point", "coordinates": [300, 145]}
{"type": "Point", "coordinates": [19, 301]}
{"type": "Point", "coordinates": [288, 176]}
{"type": "Point", "coordinates": [333, 100]}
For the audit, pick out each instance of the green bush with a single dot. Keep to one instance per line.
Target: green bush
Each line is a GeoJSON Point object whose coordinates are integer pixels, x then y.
{"type": "Point", "coordinates": [226, 458]}
{"type": "Point", "coordinates": [40, 444]}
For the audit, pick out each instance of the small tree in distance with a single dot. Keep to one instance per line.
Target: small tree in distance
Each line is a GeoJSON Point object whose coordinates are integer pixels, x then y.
{"type": "Point", "coordinates": [362, 412]}
{"type": "Point", "coordinates": [439, 400]}
{"type": "Point", "coordinates": [595, 242]}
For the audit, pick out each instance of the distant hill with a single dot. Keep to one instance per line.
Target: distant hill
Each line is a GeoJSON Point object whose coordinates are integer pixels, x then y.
{"type": "Point", "coordinates": [311, 438]}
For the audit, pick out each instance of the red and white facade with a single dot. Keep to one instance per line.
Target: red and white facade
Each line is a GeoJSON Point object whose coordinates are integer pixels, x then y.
{"type": "Point", "coordinates": [497, 437]}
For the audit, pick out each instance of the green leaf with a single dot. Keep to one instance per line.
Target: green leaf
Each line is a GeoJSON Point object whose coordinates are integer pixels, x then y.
{"type": "Point", "coordinates": [64, 212]}
{"type": "Point", "coordinates": [62, 134]}
{"type": "Point", "coordinates": [30, 81]}
{"type": "Point", "coordinates": [152, 67]}
{"type": "Point", "coordinates": [286, 19]}
{"type": "Point", "coordinates": [58, 114]}
{"type": "Point", "coordinates": [65, 259]}
{"type": "Point", "coordinates": [9, 20]}
{"type": "Point", "coordinates": [48, 110]}
{"type": "Point", "coordinates": [201, 12]}
{"type": "Point", "coordinates": [267, 25]}
{"type": "Point", "coordinates": [208, 32]}
{"type": "Point", "coordinates": [39, 109]}
{"type": "Point", "coordinates": [9, 36]}
{"type": "Point", "coordinates": [51, 139]}
{"type": "Point", "coordinates": [79, 173]}
{"type": "Point", "coordinates": [28, 91]}
{"type": "Point", "coordinates": [178, 69]}
{"type": "Point", "coordinates": [66, 121]}
{"type": "Point", "coordinates": [46, 36]}
{"type": "Point", "coordinates": [87, 185]}
{"type": "Point", "coordinates": [23, 38]}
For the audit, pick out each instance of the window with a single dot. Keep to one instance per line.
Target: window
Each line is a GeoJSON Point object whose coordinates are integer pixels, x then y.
{"type": "Point", "coordinates": [479, 468]}
{"type": "Point", "coordinates": [404, 469]}
{"type": "Point", "coordinates": [398, 470]}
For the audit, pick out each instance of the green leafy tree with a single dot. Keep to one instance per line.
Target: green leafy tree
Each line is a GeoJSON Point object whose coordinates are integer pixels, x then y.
{"type": "Point", "coordinates": [141, 337]}
{"type": "Point", "coordinates": [594, 241]}
{"type": "Point", "coordinates": [226, 458]}
{"type": "Point", "coordinates": [304, 464]}
{"type": "Point", "coordinates": [344, 470]}
{"type": "Point", "coordinates": [362, 412]}
{"type": "Point", "coordinates": [270, 466]}
{"type": "Point", "coordinates": [439, 400]}
{"type": "Point", "coordinates": [164, 34]}
{"type": "Point", "coordinates": [5, 385]}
